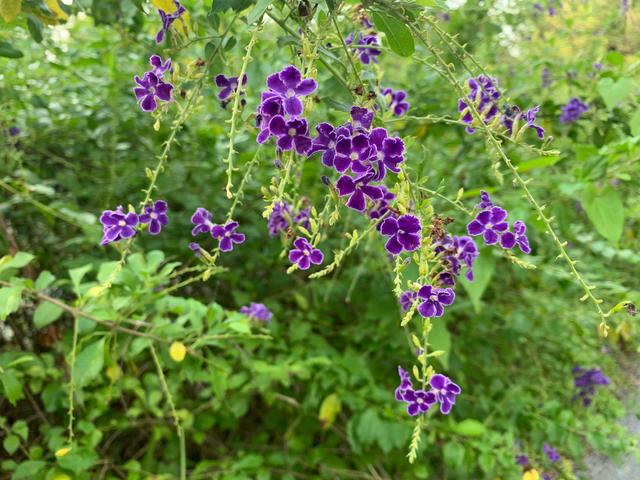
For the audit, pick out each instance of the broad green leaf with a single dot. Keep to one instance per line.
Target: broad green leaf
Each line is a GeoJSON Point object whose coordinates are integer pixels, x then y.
{"type": "Point", "coordinates": [46, 313]}
{"type": "Point", "coordinates": [258, 11]}
{"type": "Point", "coordinates": [9, 51]}
{"type": "Point", "coordinates": [10, 9]}
{"type": "Point", "coordinates": [470, 428]}
{"type": "Point", "coordinates": [21, 429]}
{"type": "Point", "coordinates": [397, 33]}
{"type": "Point", "coordinates": [9, 301]}
{"type": "Point", "coordinates": [634, 124]}
{"type": "Point", "coordinates": [54, 6]}
{"type": "Point", "coordinates": [35, 28]}
{"type": "Point", "coordinates": [483, 269]}
{"type": "Point", "coordinates": [605, 210]}
{"type": "Point", "coordinates": [539, 162]}
{"type": "Point", "coordinates": [45, 279]}
{"type": "Point", "coordinates": [19, 260]}
{"type": "Point", "coordinates": [11, 444]}
{"type": "Point", "coordinates": [76, 275]}
{"type": "Point", "coordinates": [329, 408]}
{"type": "Point", "coordinates": [235, 5]}
{"type": "Point", "coordinates": [11, 386]}
{"type": "Point", "coordinates": [613, 92]}
{"type": "Point", "coordinates": [89, 363]}
{"type": "Point", "coordinates": [440, 339]}
{"type": "Point", "coordinates": [78, 460]}
{"type": "Point", "coordinates": [29, 469]}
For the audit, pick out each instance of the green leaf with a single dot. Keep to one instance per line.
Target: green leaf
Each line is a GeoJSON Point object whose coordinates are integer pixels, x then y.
{"type": "Point", "coordinates": [258, 11]}
{"type": "Point", "coordinates": [21, 429]}
{"type": "Point", "coordinates": [78, 460]}
{"type": "Point", "coordinates": [470, 428]}
{"type": "Point", "coordinates": [634, 124]}
{"type": "Point", "coordinates": [46, 313]}
{"type": "Point", "coordinates": [76, 275]}
{"type": "Point", "coordinates": [11, 386]}
{"type": "Point", "coordinates": [11, 444]}
{"type": "Point", "coordinates": [89, 363]}
{"type": "Point", "coordinates": [45, 279]}
{"type": "Point", "coordinates": [35, 28]}
{"type": "Point", "coordinates": [19, 260]}
{"type": "Point", "coordinates": [27, 470]}
{"type": "Point", "coordinates": [9, 301]}
{"type": "Point", "coordinates": [483, 269]}
{"type": "Point", "coordinates": [539, 162]}
{"type": "Point", "coordinates": [605, 209]}
{"type": "Point", "coordinates": [398, 34]}
{"type": "Point", "coordinates": [328, 410]}
{"type": "Point", "coordinates": [613, 92]}
{"type": "Point", "coordinates": [440, 339]}
{"type": "Point", "coordinates": [10, 9]}
{"type": "Point", "coordinates": [9, 51]}
{"type": "Point", "coordinates": [235, 5]}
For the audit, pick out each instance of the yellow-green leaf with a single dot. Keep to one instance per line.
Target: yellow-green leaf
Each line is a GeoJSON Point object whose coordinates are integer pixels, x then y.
{"type": "Point", "coordinates": [10, 9]}
{"type": "Point", "coordinates": [328, 410]}
{"type": "Point", "coordinates": [54, 6]}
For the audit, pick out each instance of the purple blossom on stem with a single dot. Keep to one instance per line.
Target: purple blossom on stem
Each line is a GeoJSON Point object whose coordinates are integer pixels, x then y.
{"type": "Point", "coordinates": [326, 141]}
{"type": "Point", "coordinates": [202, 221]}
{"type": "Point", "coordinates": [490, 224]}
{"type": "Point", "coordinates": [573, 110]}
{"type": "Point", "coordinates": [419, 401]}
{"type": "Point", "coordinates": [445, 392]}
{"type": "Point", "coordinates": [380, 208]}
{"type": "Point", "coordinates": [405, 384]}
{"type": "Point", "coordinates": [404, 233]}
{"type": "Point", "coordinates": [168, 18]}
{"type": "Point", "coordinates": [303, 255]}
{"type": "Point", "coordinates": [229, 85]}
{"type": "Point", "coordinates": [388, 152]}
{"type": "Point", "coordinates": [195, 248]}
{"type": "Point", "coordinates": [155, 215]}
{"type": "Point", "coordinates": [365, 47]}
{"type": "Point", "coordinates": [227, 236]}
{"type": "Point", "coordinates": [485, 201]}
{"type": "Point", "coordinates": [484, 95]}
{"type": "Point", "coordinates": [158, 66]}
{"type": "Point", "coordinates": [282, 217]}
{"type": "Point", "coordinates": [289, 85]}
{"type": "Point", "coordinates": [361, 119]}
{"type": "Point", "coordinates": [270, 106]}
{"type": "Point", "coordinates": [291, 133]}
{"type": "Point", "coordinates": [396, 101]}
{"type": "Point", "coordinates": [353, 152]}
{"type": "Point", "coordinates": [512, 116]}
{"type": "Point", "coordinates": [522, 460]}
{"type": "Point", "coordinates": [257, 311]}
{"type": "Point", "coordinates": [434, 300]}
{"type": "Point", "coordinates": [551, 453]}
{"type": "Point", "coordinates": [519, 236]}
{"type": "Point", "coordinates": [357, 189]}
{"type": "Point", "coordinates": [407, 299]}
{"type": "Point", "coordinates": [456, 251]}
{"type": "Point", "coordinates": [149, 88]}
{"type": "Point", "coordinates": [586, 381]}
{"type": "Point", "coordinates": [117, 225]}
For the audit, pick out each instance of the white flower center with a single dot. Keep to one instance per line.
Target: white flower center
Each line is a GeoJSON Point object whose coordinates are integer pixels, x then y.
{"type": "Point", "coordinates": [380, 156]}
{"type": "Point", "coordinates": [153, 215]}
{"type": "Point", "coordinates": [208, 223]}
{"type": "Point", "coordinates": [292, 132]}
{"type": "Point", "coordinates": [356, 124]}
{"type": "Point", "coordinates": [353, 156]}
{"type": "Point", "coordinates": [331, 144]}
{"type": "Point", "coordinates": [122, 223]}
{"type": "Point", "coordinates": [306, 252]}
{"type": "Point", "coordinates": [290, 93]}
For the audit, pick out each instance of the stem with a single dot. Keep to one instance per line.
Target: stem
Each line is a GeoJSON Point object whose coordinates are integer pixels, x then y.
{"type": "Point", "coordinates": [72, 362]}
{"type": "Point", "coordinates": [174, 414]}
{"type": "Point", "coordinates": [236, 107]}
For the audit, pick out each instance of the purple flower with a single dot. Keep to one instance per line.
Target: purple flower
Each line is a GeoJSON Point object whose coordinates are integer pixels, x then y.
{"type": "Point", "coordinates": [158, 67]}
{"type": "Point", "coordinates": [597, 66]}
{"type": "Point", "coordinates": [388, 152]}
{"type": "Point", "coordinates": [150, 87]}
{"type": "Point", "coordinates": [381, 206]}
{"type": "Point", "coordinates": [326, 141]}
{"type": "Point", "coordinates": [365, 47]}
{"type": "Point", "coordinates": [456, 251]}
{"type": "Point", "coordinates": [353, 152]}
{"type": "Point", "coordinates": [419, 401]}
{"type": "Point", "coordinates": [202, 221]}
{"type": "Point", "coordinates": [522, 460]}
{"type": "Point", "coordinates": [303, 255]}
{"type": "Point", "coordinates": [14, 131]}
{"type": "Point", "coordinates": [434, 300]}
{"type": "Point", "coordinates": [519, 236]}
{"type": "Point", "coordinates": [407, 299]}
{"type": "Point", "coordinates": [445, 392]}
{"type": "Point", "coordinates": [573, 110]}
{"type": "Point", "coordinates": [485, 201]}
{"type": "Point", "coordinates": [195, 248]}
{"type": "Point", "coordinates": [117, 225]}
{"type": "Point", "coordinates": [291, 133]}
{"type": "Point", "coordinates": [229, 85]}
{"type": "Point", "coordinates": [227, 236]}
{"type": "Point", "coordinates": [270, 106]}
{"type": "Point", "coordinates": [512, 116]}
{"type": "Point", "coordinates": [396, 101]}
{"type": "Point", "coordinates": [289, 85]}
{"type": "Point", "coordinates": [257, 311]}
{"type": "Point", "coordinates": [279, 218]}
{"type": "Point", "coordinates": [405, 384]}
{"type": "Point", "coordinates": [357, 189]}
{"type": "Point", "coordinates": [551, 453]}
{"type": "Point", "coordinates": [155, 215]}
{"type": "Point", "coordinates": [404, 233]}
{"type": "Point", "coordinates": [586, 381]}
{"type": "Point", "coordinates": [490, 224]}
{"type": "Point", "coordinates": [361, 119]}
{"type": "Point", "coordinates": [168, 19]}
{"type": "Point", "coordinates": [302, 218]}
{"type": "Point", "coordinates": [484, 95]}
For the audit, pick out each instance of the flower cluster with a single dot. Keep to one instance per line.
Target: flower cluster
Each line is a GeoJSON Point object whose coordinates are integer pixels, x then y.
{"type": "Point", "coordinates": [492, 224]}
{"type": "Point", "coordinates": [152, 86]}
{"type": "Point", "coordinates": [283, 217]}
{"type": "Point", "coordinates": [225, 234]}
{"type": "Point", "coordinates": [454, 253]}
{"type": "Point", "coordinates": [229, 86]}
{"type": "Point", "coordinates": [365, 46]}
{"type": "Point", "coordinates": [168, 18]}
{"type": "Point", "coordinates": [396, 101]}
{"type": "Point", "coordinates": [512, 116]}
{"type": "Point", "coordinates": [116, 224]}
{"type": "Point", "coordinates": [551, 453]}
{"type": "Point", "coordinates": [586, 381]}
{"type": "Point", "coordinates": [258, 312]}
{"type": "Point", "coordinates": [573, 110]}
{"type": "Point", "coordinates": [443, 391]}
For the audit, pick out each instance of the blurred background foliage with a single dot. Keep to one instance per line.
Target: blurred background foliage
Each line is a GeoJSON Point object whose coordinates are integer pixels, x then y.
{"type": "Point", "coordinates": [311, 394]}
